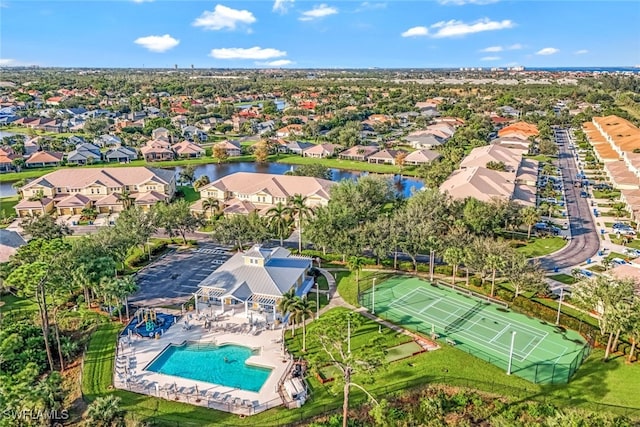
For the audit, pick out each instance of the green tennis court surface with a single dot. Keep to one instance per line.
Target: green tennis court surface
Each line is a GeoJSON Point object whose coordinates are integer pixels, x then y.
{"type": "Point", "coordinates": [542, 353]}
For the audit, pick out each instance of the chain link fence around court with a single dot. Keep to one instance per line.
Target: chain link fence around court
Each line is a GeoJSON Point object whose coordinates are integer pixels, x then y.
{"type": "Point", "coordinates": [536, 372]}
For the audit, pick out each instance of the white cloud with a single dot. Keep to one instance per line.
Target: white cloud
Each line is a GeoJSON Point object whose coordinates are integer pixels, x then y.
{"type": "Point", "coordinates": [455, 28]}
{"type": "Point", "coordinates": [516, 46]}
{"type": "Point", "coordinates": [318, 11]}
{"type": "Point", "coordinates": [157, 43]}
{"type": "Point", "coordinates": [581, 52]}
{"type": "Point", "coordinates": [250, 53]}
{"type": "Point", "coordinates": [463, 2]}
{"type": "Point", "coordinates": [548, 51]}
{"type": "Point", "coordinates": [416, 32]}
{"type": "Point", "coordinates": [8, 62]}
{"type": "Point", "coordinates": [490, 58]}
{"type": "Point", "coordinates": [276, 63]}
{"type": "Point", "coordinates": [282, 6]}
{"type": "Point", "coordinates": [224, 17]}
{"type": "Point", "coordinates": [492, 49]}
{"type": "Point", "coordinates": [367, 5]}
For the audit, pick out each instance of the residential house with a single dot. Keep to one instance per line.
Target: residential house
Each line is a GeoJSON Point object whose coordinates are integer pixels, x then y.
{"type": "Point", "coordinates": [233, 148]}
{"type": "Point", "coordinates": [161, 133]}
{"type": "Point", "coordinates": [85, 153]}
{"type": "Point", "coordinates": [519, 128]}
{"type": "Point", "coordinates": [290, 130]}
{"type": "Point", "coordinates": [44, 159]}
{"type": "Point", "coordinates": [420, 157]}
{"type": "Point", "coordinates": [481, 156]}
{"type": "Point", "coordinates": [359, 152]}
{"type": "Point", "coordinates": [7, 156]}
{"type": "Point", "coordinates": [107, 141]}
{"type": "Point", "coordinates": [68, 191]}
{"type": "Point", "coordinates": [187, 150]}
{"type": "Point", "coordinates": [264, 127]}
{"type": "Point", "coordinates": [120, 154]}
{"type": "Point", "coordinates": [256, 280]}
{"type": "Point", "coordinates": [480, 183]}
{"type": "Point", "coordinates": [298, 147]}
{"type": "Point", "coordinates": [321, 151]}
{"type": "Point", "coordinates": [244, 192]}
{"type": "Point", "coordinates": [157, 150]}
{"type": "Point", "coordinates": [192, 133]}
{"type": "Point", "coordinates": [423, 140]}
{"type": "Point", "coordinates": [10, 241]}
{"type": "Point", "coordinates": [32, 145]}
{"type": "Point", "coordinates": [384, 156]}
{"type": "Point", "coordinates": [512, 142]}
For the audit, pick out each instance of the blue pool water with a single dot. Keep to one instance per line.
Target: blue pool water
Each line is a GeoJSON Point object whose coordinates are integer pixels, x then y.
{"type": "Point", "coordinates": [224, 365]}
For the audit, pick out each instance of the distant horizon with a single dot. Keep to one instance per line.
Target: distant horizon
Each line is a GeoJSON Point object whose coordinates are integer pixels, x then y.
{"type": "Point", "coordinates": [318, 34]}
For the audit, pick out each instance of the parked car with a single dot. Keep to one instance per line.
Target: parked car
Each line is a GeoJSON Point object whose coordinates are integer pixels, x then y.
{"type": "Point", "coordinates": [620, 225]}
{"type": "Point", "coordinates": [584, 194]}
{"type": "Point", "coordinates": [625, 231]}
{"type": "Point", "coordinates": [632, 252]}
{"type": "Point", "coordinates": [618, 261]}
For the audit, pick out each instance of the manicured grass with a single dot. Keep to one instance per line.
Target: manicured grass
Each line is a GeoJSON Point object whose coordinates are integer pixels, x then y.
{"type": "Point", "coordinates": [98, 362]}
{"type": "Point", "coordinates": [189, 193]}
{"type": "Point", "coordinates": [600, 194]}
{"type": "Point", "coordinates": [346, 164]}
{"type": "Point", "coordinates": [616, 255]}
{"type": "Point", "coordinates": [542, 246]}
{"type": "Point", "coordinates": [563, 278]}
{"type": "Point", "coordinates": [346, 283]}
{"type": "Point", "coordinates": [14, 303]}
{"type": "Point", "coordinates": [322, 283]}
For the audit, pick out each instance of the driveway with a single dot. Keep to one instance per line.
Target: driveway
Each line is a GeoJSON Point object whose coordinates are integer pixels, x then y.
{"type": "Point", "coordinates": [585, 241]}
{"type": "Point", "coordinates": [174, 277]}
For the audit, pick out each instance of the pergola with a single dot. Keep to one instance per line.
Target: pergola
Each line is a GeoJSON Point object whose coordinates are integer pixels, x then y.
{"type": "Point", "coordinates": [255, 301]}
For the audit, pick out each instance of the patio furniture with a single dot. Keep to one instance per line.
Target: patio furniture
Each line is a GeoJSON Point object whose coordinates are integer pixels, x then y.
{"type": "Point", "coordinates": [215, 396]}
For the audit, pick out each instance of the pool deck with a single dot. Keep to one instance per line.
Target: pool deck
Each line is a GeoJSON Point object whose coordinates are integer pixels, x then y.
{"type": "Point", "coordinates": [135, 353]}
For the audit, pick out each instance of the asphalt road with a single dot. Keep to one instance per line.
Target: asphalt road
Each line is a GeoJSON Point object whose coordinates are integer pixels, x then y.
{"type": "Point", "coordinates": [585, 241]}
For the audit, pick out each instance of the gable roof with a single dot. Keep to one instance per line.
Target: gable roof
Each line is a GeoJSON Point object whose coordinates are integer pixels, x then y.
{"type": "Point", "coordinates": [44, 157]}
{"type": "Point", "coordinates": [478, 182]}
{"type": "Point", "coordinates": [422, 156]}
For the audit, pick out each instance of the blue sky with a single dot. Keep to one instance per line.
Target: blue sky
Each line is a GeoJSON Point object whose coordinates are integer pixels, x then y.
{"type": "Point", "coordinates": [322, 34]}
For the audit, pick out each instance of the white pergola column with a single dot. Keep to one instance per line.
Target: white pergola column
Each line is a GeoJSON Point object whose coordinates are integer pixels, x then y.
{"type": "Point", "coordinates": [195, 295]}
{"type": "Point", "coordinates": [246, 308]}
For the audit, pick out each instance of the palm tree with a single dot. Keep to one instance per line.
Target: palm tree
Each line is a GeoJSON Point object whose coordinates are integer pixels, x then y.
{"type": "Point", "coordinates": [125, 198]}
{"type": "Point", "coordinates": [279, 221]}
{"type": "Point", "coordinates": [618, 210]}
{"type": "Point", "coordinates": [286, 303]}
{"type": "Point", "coordinates": [303, 310]}
{"type": "Point", "coordinates": [529, 217]}
{"type": "Point", "coordinates": [453, 256]}
{"type": "Point", "coordinates": [201, 182]}
{"type": "Point", "coordinates": [493, 262]}
{"type": "Point", "coordinates": [106, 412]}
{"type": "Point", "coordinates": [212, 205]}
{"type": "Point", "coordinates": [298, 209]}
{"type": "Point", "coordinates": [355, 264]}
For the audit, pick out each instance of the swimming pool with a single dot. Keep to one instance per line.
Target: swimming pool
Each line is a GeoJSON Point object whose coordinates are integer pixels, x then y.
{"type": "Point", "coordinates": [224, 365]}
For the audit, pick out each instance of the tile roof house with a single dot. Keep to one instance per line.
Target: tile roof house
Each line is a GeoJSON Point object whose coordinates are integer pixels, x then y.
{"type": "Point", "coordinates": [43, 159]}
{"type": "Point", "coordinates": [384, 156]}
{"type": "Point", "coordinates": [420, 157]}
{"type": "Point", "coordinates": [10, 241]}
{"type": "Point", "coordinates": [478, 182]}
{"type": "Point", "coordinates": [187, 149]}
{"type": "Point", "coordinates": [7, 156]}
{"type": "Point", "coordinates": [423, 140]}
{"type": "Point", "coordinates": [83, 154]}
{"type": "Point", "coordinates": [359, 152]}
{"type": "Point", "coordinates": [100, 186]}
{"type": "Point", "coordinates": [157, 150]}
{"type": "Point", "coordinates": [289, 130]}
{"type": "Point", "coordinates": [233, 148]}
{"type": "Point", "coordinates": [298, 147]}
{"type": "Point", "coordinates": [107, 140]}
{"type": "Point", "coordinates": [243, 192]}
{"type": "Point", "coordinates": [321, 151]}
{"type": "Point", "coordinates": [256, 280]}
{"type": "Point", "coordinates": [194, 134]}
{"type": "Point", "coordinates": [161, 133]}
{"type": "Point", "coordinates": [480, 156]}
{"type": "Point", "coordinates": [524, 128]}
{"type": "Point", "coordinates": [121, 154]}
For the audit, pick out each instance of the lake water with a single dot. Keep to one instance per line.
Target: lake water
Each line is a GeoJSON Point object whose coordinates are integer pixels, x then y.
{"type": "Point", "coordinates": [4, 133]}
{"type": "Point", "coordinates": [406, 186]}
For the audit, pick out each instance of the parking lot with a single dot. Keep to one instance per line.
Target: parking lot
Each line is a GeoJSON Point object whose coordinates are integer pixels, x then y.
{"type": "Point", "coordinates": [172, 279]}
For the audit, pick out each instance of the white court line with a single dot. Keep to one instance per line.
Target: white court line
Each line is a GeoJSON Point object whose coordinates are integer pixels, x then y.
{"type": "Point", "coordinates": [563, 352]}
{"type": "Point", "coordinates": [429, 305]}
{"type": "Point", "coordinates": [535, 346]}
{"type": "Point", "coordinates": [489, 315]}
{"type": "Point", "coordinates": [501, 332]}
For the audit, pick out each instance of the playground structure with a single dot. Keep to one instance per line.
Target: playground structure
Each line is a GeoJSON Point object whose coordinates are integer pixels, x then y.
{"type": "Point", "coordinates": [147, 322]}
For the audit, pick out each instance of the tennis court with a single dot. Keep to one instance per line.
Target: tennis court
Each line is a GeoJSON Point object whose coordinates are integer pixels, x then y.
{"type": "Point", "coordinates": [542, 353]}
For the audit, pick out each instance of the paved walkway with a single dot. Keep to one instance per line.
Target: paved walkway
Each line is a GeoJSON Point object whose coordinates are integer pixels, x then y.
{"type": "Point", "coordinates": [337, 301]}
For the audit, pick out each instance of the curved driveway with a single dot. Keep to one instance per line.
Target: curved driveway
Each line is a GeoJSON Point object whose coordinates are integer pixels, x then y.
{"type": "Point", "coordinates": [585, 241]}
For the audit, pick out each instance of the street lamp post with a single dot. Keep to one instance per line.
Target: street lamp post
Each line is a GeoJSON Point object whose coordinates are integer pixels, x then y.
{"type": "Point", "coordinates": [513, 339]}
{"type": "Point", "coordinates": [559, 306]}
{"type": "Point", "coordinates": [373, 297]}
{"type": "Point", "coordinates": [317, 301]}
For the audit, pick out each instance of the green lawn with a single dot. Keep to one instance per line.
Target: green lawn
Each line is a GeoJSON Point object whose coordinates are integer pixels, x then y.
{"type": "Point", "coordinates": [346, 283]}
{"type": "Point", "coordinates": [345, 164]}
{"type": "Point", "coordinates": [6, 207]}
{"type": "Point", "coordinates": [14, 303]}
{"type": "Point", "coordinates": [190, 194]}
{"type": "Point", "coordinates": [563, 278]}
{"type": "Point", "coordinates": [542, 246]}
{"type": "Point", "coordinates": [600, 194]}
{"type": "Point", "coordinates": [322, 283]}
